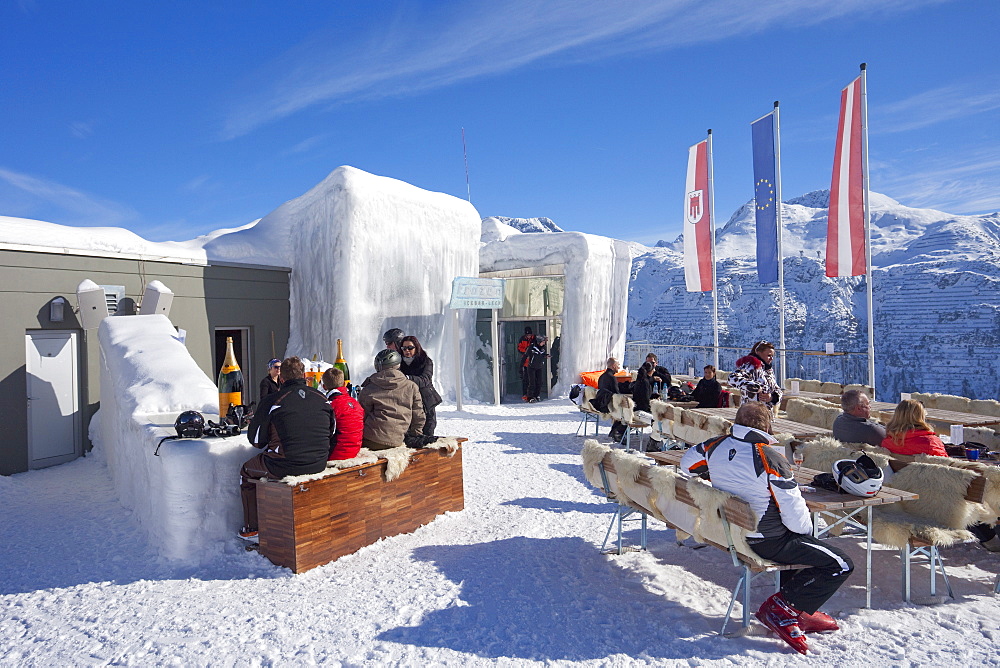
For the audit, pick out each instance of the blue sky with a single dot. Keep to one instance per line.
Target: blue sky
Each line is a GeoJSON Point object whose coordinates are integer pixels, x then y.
{"type": "Point", "coordinates": [176, 118]}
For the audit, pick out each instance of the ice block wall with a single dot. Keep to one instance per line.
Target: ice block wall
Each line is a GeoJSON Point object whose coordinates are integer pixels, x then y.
{"type": "Point", "coordinates": [368, 253]}
{"type": "Point", "coordinates": [187, 498]}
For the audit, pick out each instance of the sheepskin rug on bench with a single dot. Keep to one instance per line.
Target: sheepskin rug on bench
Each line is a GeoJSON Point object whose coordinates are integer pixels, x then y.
{"type": "Point", "coordinates": [397, 459]}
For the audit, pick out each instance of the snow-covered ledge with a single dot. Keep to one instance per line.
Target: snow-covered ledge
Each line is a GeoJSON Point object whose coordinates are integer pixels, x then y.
{"type": "Point", "coordinates": [186, 499]}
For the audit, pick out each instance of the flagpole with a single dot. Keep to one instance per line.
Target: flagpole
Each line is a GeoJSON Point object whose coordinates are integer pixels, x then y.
{"type": "Point", "coordinates": [465, 156]}
{"type": "Point", "coordinates": [781, 255]}
{"type": "Point", "coordinates": [711, 215]}
{"type": "Point", "coordinates": [868, 235]}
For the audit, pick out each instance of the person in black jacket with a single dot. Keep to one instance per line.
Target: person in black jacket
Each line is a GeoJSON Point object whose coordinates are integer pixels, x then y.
{"type": "Point", "coordinates": [607, 387]}
{"type": "Point", "coordinates": [708, 391]}
{"type": "Point", "coordinates": [661, 377]}
{"type": "Point", "coordinates": [419, 368]}
{"type": "Point", "coordinates": [535, 368]}
{"type": "Point", "coordinates": [295, 428]}
{"type": "Point", "coordinates": [642, 388]}
{"type": "Point", "coordinates": [270, 384]}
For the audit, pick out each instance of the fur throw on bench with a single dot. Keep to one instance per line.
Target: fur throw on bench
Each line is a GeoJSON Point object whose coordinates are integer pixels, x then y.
{"type": "Point", "coordinates": [822, 452]}
{"type": "Point", "coordinates": [397, 460]}
{"type": "Point", "coordinates": [938, 517]}
{"type": "Point", "coordinates": [709, 523]}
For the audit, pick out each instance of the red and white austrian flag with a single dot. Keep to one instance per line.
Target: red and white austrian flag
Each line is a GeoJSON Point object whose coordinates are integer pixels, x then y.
{"type": "Point", "coordinates": [845, 240]}
{"type": "Point", "coordinates": [697, 222]}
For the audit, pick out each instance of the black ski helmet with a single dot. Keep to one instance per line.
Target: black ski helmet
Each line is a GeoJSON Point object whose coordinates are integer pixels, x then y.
{"type": "Point", "coordinates": [387, 359]}
{"type": "Point", "coordinates": [394, 335]}
{"type": "Point", "coordinates": [190, 424]}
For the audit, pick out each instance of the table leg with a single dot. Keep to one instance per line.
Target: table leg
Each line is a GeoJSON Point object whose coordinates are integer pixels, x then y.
{"type": "Point", "coordinates": [868, 561]}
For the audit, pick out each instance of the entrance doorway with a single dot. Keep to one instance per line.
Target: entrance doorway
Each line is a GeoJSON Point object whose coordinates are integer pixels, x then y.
{"type": "Point", "coordinates": [53, 393]}
{"type": "Point", "coordinates": [511, 387]}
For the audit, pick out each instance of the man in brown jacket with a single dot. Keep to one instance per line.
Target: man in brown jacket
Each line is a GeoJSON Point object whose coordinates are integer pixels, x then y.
{"type": "Point", "coordinates": [392, 404]}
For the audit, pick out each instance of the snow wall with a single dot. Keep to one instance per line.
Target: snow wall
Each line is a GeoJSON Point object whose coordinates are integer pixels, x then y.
{"type": "Point", "coordinates": [368, 253]}
{"type": "Point", "coordinates": [187, 499]}
{"type": "Point", "coordinates": [597, 271]}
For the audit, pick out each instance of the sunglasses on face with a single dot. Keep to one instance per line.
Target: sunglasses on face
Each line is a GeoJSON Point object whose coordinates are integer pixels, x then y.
{"type": "Point", "coordinates": [409, 347]}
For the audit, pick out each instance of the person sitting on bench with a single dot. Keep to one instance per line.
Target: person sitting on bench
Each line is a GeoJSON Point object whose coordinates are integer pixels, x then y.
{"type": "Point", "coordinates": [745, 464]}
{"type": "Point", "coordinates": [348, 415]}
{"type": "Point", "coordinates": [607, 387]}
{"type": "Point", "coordinates": [854, 425]}
{"type": "Point", "coordinates": [709, 390]}
{"type": "Point", "coordinates": [295, 428]}
{"type": "Point", "coordinates": [394, 413]}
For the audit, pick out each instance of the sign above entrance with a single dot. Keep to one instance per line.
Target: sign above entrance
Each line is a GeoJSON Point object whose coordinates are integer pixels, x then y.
{"type": "Point", "coordinates": [476, 292]}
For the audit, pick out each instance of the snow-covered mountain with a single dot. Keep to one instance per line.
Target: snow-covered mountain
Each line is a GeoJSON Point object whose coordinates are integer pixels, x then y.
{"type": "Point", "coordinates": [936, 299]}
{"type": "Point", "coordinates": [530, 224]}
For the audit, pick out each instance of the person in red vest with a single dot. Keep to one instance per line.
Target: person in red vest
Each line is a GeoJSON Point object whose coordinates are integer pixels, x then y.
{"type": "Point", "coordinates": [349, 416]}
{"type": "Point", "coordinates": [522, 347]}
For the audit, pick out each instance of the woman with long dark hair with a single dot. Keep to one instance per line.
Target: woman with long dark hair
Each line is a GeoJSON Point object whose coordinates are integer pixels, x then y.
{"type": "Point", "coordinates": [419, 368]}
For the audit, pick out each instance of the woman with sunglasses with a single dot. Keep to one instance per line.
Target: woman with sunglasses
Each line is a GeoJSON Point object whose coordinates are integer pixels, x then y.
{"type": "Point", "coordinates": [754, 375]}
{"type": "Point", "coordinates": [419, 368]}
{"type": "Point", "coordinates": [270, 383]}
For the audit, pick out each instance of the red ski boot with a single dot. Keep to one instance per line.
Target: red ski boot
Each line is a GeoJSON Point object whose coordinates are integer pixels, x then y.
{"type": "Point", "coordinates": [817, 622]}
{"type": "Point", "coordinates": [783, 619]}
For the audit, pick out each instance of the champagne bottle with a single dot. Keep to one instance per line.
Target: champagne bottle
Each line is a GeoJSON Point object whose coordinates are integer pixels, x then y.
{"type": "Point", "coordinates": [341, 363]}
{"type": "Point", "coordinates": [230, 381]}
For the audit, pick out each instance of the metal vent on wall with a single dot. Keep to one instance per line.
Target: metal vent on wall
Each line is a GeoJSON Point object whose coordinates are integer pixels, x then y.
{"type": "Point", "coordinates": [113, 294]}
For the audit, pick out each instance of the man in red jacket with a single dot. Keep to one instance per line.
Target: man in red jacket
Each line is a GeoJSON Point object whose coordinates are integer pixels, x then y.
{"type": "Point", "coordinates": [349, 416]}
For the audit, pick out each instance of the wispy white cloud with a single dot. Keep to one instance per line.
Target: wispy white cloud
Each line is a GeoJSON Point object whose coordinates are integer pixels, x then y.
{"type": "Point", "coordinates": [966, 184]}
{"type": "Point", "coordinates": [458, 41]}
{"type": "Point", "coordinates": [28, 196]}
{"type": "Point", "coordinates": [81, 129]}
{"type": "Point", "coordinates": [937, 105]}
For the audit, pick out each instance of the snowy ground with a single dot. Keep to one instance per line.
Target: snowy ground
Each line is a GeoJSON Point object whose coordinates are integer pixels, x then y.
{"type": "Point", "coordinates": [514, 579]}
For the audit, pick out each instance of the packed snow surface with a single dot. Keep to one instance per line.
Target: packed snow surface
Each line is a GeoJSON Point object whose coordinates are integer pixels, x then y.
{"type": "Point", "coordinates": [514, 579]}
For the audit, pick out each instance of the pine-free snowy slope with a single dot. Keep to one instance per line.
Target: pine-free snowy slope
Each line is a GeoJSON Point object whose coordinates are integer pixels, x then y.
{"type": "Point", "coordinates": [514, 579]}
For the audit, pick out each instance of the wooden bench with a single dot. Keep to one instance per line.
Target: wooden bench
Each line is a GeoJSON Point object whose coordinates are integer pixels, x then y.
{"type": "Point", "coordinates": [683, 516]}
{"type": "Point", "coordinates": [313, 523]}
{"type": "Point", "coordinates": [919, 547]}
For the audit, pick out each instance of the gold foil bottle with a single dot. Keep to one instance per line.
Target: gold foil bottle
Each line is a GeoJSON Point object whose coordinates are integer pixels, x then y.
{"type": "Point", "coordinates": [230, 381]}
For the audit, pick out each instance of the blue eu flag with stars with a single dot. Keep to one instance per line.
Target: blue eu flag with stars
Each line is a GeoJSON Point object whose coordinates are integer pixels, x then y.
{"type": "Point", "coordinates": [765, 188]}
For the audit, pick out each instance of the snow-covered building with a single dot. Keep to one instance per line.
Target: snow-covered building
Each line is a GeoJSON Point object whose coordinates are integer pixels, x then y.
{"type": "Point", "coordinates": [50, 365]}
{"type": "Point", "coordinates": [569, 286]}
{"type": "Point", "coordinates": [356, 255]}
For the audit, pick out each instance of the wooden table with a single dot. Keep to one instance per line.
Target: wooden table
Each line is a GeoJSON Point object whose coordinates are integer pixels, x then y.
{"type": "Point", "coordinates": [942, 420]}
{"type": "Point", "coordinates": [844, 507]}
{"type": "Point", "coordinates": [798, 430]}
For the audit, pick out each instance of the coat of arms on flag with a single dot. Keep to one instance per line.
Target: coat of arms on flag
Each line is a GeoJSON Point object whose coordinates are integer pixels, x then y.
{"type": "Point", "coordinates": [696, 206]}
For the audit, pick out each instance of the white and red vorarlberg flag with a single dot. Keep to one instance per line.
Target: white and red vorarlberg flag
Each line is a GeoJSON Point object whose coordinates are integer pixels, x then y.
{"type": "Point", "coordinates": [845, 240]}
{"type": "Point", "coordinates": [697, 222]}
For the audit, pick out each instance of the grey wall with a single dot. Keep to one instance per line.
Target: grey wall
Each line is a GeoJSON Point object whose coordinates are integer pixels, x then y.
{"type": "Point", "coordinates": [204, 298]}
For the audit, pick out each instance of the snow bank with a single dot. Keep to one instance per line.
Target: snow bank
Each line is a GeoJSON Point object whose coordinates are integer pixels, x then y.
{"type": "Point", "coordinates": [187, 498]}
{"type": "Point", "coordinates": [596, 299]}
{"type": "Point", "coordinates": [368, 253]}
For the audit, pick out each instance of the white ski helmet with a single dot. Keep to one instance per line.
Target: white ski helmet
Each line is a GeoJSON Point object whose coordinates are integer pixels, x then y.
{"type": "Point", "coordinates": [861, 477]}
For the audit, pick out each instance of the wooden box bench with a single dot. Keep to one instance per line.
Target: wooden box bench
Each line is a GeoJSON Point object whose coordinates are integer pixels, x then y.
{"type": "Point", "coordinates": [313, 523]}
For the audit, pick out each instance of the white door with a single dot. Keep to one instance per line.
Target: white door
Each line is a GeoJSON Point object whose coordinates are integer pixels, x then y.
{"type": "Point", "coordinates": [53, 386]}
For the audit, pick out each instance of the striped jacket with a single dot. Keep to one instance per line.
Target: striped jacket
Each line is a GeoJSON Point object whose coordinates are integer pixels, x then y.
{"type": "Point", "coordinates": [746, 464]}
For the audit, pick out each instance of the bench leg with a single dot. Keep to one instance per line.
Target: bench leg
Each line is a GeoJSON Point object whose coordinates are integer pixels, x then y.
{"type": "Point", "coordinates": [936, 556]}
{"type": "Point", "coordinates": [742, 587]}
{"type": "Point", "coordinates": [904, 560]}
{"type": "Point", "coordinates": [996, 585]}
{"type": "Point", "coordinates": [614, 518]}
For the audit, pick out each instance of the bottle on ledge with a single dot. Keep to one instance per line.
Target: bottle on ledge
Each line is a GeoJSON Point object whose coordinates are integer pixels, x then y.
{"type": "Point", "coordinates": [341, 363]}
{"type": "Point", "coordinates": [230, 381]}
